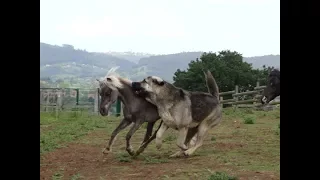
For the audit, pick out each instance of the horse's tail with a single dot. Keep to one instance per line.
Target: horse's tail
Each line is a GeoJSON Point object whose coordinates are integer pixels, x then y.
{"type": "Point", "coordinates": [211, 84]}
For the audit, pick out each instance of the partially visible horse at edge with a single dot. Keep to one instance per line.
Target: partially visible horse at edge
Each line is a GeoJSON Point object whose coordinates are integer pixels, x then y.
{"type": "Point", "coordinates": [273, 87]}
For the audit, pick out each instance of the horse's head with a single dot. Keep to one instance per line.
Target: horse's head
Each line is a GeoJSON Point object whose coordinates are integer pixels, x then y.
{"type": "Point", "coordinates": [273, 87]}
{"type": "Point", "coordinates": [108, 97]}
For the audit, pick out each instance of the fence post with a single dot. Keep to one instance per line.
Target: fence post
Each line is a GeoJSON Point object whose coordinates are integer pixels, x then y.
{"type": "Point", "coordinates": [236, 98]}
{"type": "Point", "coordinates": [77, 97]}
{"type": "Point", "coordinates": [118, 108]}
{"type": "Point", "coordinates": [96, 101]}
{"type": "Point", "coordinates": [40, 98]}
{"type": "Point", "coordinates": [47, 101]}
{"type": "Point", "coordinates": [258, 93]}
{"type": "Point", "coordinates": [221, 99]}
{"type": "Point", "coordinates": [258, 83]}
{"type": "Point", "coordinates": [58, 103]}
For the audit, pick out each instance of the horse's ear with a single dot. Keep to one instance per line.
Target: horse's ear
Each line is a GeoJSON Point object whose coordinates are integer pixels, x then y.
{"type": "Point", "coordinates": [161, 83]}
{"type": "Point", "coordinates": [98, 80]}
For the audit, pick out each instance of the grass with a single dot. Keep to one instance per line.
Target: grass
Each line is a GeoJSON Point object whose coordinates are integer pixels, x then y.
{"type": "Point", "coordinates": [245, 142]}
{"type": "Point", "coordinates": [124, 157]}
{"type": "Point", "coordinates": [57, 176]}
{"type": "Point", "coordinates": [76, 177]}
{"type": "Point", "coordinates": [221, 176]}
{"type": "Point", "coordinates": [152, 160]}
{"type": "Point", "coordinates": [66, 128]}
{"type": "Point", "coordinates": [249, 120]}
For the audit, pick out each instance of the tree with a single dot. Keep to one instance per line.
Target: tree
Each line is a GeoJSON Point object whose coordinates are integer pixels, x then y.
{"type": "Point", "coordinates": [227, 67]}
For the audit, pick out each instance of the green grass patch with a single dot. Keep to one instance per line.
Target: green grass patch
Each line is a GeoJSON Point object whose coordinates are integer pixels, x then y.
{"type": "Point", "coordinates": [249, 120]}
{"type": "Point", "coordinates": [170, 137]}
{"type": "Point", "coordinates": [151, 160]}
{"type": "Point", "coordinates": [76, 177]}
{"type": "Point", "coordinates": [124, 157]}
{"type": "Point", "coordinates": [221, 176]}
{"type": "Point", "coordinates": [67, 128]}
{"type": "Point", "coordinates": [57, 176]}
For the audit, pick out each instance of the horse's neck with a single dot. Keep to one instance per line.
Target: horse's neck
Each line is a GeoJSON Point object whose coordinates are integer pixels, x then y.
{"type": "Point", "coordinates": [126, 97]}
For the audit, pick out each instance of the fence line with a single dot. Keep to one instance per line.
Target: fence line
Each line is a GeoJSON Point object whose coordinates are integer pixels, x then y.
{"type": "Point", "coordinates": [253, 102]}
{"type": "Point", "coordinates": [53, 99]}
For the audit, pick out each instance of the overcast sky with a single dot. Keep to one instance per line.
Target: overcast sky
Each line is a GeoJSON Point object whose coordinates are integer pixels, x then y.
{"type": "Point", "coordinates": [250, 27]}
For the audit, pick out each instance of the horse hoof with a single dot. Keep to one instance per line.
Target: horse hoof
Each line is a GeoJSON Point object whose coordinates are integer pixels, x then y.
{"type": "Point", "coordinates": [186, 153]}
{"type": "Point", "coordinates": [131, 152]}
{"type": "Point", "coordinates": [106, 151]}
{"type": "Point", "coordinates": [138, 152]}
{"type": "Point", "coordinates": [158, 146]}
{"type": "Point", "coordinates": [183, 147]}
{"type": "Point", "coordinates": [177, 154]}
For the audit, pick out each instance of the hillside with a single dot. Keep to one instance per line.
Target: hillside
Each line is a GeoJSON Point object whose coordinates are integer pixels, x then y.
{"type": "Point", "coordinates": [67, 63]}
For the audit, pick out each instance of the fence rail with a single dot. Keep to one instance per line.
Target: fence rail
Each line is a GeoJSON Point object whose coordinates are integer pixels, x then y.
{"type": "Point", "coordinates": [71, 99]}
{"type": "Point", "coordinates": [251, 102]}
{"type": "Point", "coordinates": [54, 99]}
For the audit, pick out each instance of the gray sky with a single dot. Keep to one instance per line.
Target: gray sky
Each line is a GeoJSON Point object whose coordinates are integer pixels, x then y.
{"type": "Point", "coordinates": [250, 27]}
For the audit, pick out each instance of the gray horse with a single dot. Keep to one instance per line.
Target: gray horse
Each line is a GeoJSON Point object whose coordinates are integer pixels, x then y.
{"type": "Point", "coordinates": [136, 111]}
{"type": "Point", "coordinates": [273, 87]}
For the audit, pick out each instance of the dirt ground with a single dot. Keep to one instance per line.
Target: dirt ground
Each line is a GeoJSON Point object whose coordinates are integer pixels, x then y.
{"type": "Point", "coordinates": [83, 158]}
{"type": "Point", "coordinates": [90, 163]}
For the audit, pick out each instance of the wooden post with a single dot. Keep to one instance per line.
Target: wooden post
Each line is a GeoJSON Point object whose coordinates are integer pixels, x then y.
{"type": "Point", "coordinates": [47, 101]}
{"type": "Point", "coordinates": [96, 102]}
{"type": "Point", "coordinates": [258, 85]}
{"type": "Point", "coordinates": [40, 98]}
{"type": "Point", "coordinates": [77, 97]}
{"type": "Point", "coordinates": [221, 99]}
{"type": "Point", "coordinates": [58, 103]}
{"type": "Point", "coordinates": [118, 108]}
{"type": "Point", "coordinates": [121, 110]}
{"type": "Point", "coordinates": [236, 97]}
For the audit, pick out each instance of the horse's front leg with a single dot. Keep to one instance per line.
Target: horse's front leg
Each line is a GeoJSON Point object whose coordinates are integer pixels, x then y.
{"type": "Point", "coordinates": [145, 144]}
{"type": "Point", "coordinates": [133, 129]}
{"type": "Point", "coordinates": [123, 124]}
{"type": "Point", "coordinates": [148, 132]}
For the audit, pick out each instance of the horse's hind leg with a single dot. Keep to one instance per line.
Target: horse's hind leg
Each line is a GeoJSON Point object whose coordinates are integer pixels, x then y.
{"type": "Point", "coordinates": [123, 124]}
{"type": "Point", "coordinates": [192, 132]}
{"type": "Point", "coordinates": [202, 132]}
{"type": "Point", "coordinates": [133, 129]}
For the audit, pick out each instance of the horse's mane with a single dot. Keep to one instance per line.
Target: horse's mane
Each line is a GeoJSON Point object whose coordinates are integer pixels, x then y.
{"type": "Point", "coordinates": [118, 81]}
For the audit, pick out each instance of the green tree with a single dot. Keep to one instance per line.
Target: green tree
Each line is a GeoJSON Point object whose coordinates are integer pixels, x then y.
{"type": "Point", "coordinates": [227, 67]}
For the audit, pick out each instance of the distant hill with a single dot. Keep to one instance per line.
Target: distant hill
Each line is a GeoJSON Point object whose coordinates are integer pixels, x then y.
{"type": "Point", "coordinates": [259, 61]}
{"type": "Point", "coordinates": [130, 56]}
{"type": "Point", "coordinates": [66, 62]}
